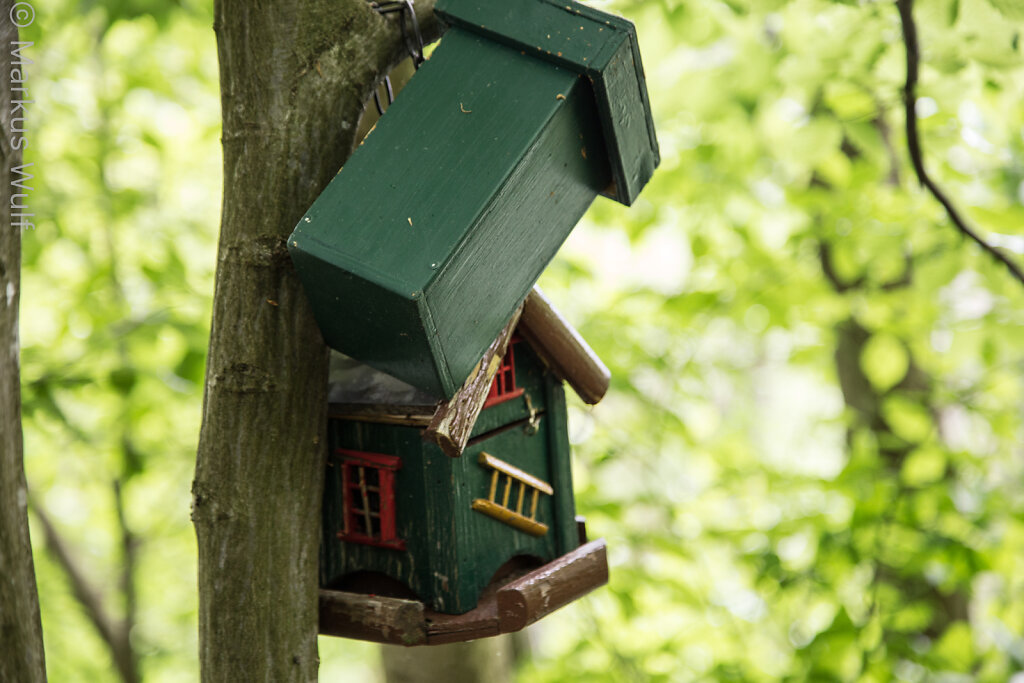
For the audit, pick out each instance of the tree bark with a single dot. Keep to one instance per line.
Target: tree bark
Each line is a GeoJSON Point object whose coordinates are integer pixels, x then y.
{"type": "Point", "coordinates": [21, 636]}
{"type": "Point", "coordinates": [295, 75]}
{"type": "Point", "coordinates": [490, 660]}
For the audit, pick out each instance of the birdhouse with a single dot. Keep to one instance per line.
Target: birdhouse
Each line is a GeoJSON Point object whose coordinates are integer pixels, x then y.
{"type": "Point", "coordinates": [420, 547]}
{"type": "Point", "coordinates": [418, 252]}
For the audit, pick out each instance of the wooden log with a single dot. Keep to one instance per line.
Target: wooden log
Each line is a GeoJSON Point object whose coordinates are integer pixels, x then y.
{"type": "Point", "coordinates": [374, 618]}
{"type": "Point", "coordinates": [525, 600]}
{"type": "Point", "coordinates": [562, 348]}
{"type": "Point", "coordinates": [481, 622]}
{"type": "Point", "coordinates": [501, 609]}
{"type": "Point", "coordinates": [453, 422]}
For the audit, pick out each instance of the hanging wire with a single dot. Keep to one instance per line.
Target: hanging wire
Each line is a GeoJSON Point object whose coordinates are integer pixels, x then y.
{"type": "Point", "coordinates": [413, 41]}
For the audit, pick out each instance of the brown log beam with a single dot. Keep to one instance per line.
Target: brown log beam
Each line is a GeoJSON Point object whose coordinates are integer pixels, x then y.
{"type": "Point", "coordinates": [370, 617]}
{"type": "Point", "coordinates": [554, 585]}
{"type": "Point", "coordinates": [565, 351]}
{"type": "Point", "coordinates": [510, 608]}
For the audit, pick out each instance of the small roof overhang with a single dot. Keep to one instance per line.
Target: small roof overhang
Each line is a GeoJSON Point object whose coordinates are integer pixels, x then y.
{"type": "Point", "coordinates": [358, 391]}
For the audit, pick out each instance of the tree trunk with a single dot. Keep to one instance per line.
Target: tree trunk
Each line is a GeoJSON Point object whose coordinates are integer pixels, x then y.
{"type": "Point", "coordinates": [21, 635]}
{"type": "Point", "coordinates": [295, 75]}
{"type": "Point", "coordinates": [490, 660]}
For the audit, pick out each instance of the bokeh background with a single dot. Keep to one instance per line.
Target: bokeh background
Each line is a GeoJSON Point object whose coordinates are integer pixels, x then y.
{"type": "Point", "coordinates": [810, 462]}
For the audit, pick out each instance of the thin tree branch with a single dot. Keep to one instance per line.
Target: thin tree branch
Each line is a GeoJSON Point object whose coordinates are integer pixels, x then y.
{"type": "Point", "coordinates": [906, 8]}
{"type": "Point", "coordinates": [21, 632]}
{"type": "Point", "coordinates": [882, 126]}
{"type": "Point", "coordinates": [828, 268]}
{"type": "Point", "coordinates": [113, 633]}
{"type": "Point", "coordinates": [128, 548]}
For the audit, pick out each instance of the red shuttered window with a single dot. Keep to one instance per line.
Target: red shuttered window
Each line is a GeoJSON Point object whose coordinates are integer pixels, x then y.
{"type": "Point", "coordinates": [368, 485]}
{"type": "Point", "coordinates": [504, 386]}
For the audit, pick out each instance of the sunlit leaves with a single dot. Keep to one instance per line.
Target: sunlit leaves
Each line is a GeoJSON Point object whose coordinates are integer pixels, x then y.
{"type": "Point", "coordinates": [812, 250]}
{"type": "Point", "coordinates": [808, 465]}
{"type": "Point", "coordinates": [885, 361]}
{"type": "Point", "coordinates": [124, 137]}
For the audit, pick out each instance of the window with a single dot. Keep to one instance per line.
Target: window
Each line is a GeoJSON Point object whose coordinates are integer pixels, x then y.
{"type": "Point", "coordinates": [504, 386]}
{"type": "Point", "coordinates": [368, 490]}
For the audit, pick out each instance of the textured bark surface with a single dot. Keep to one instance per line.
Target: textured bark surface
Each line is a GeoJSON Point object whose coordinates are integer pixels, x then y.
{"type": "Point", "coordinates": [21, 637]}
{"type": "Point", "coordinates": [490, 660]}
{"type": "Point", "coordinates": [295, 75]}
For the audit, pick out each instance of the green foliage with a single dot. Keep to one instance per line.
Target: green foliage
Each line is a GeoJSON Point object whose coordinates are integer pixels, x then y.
{"type": "Point", "coordinates": [115, 313]}
{"type": "Point", "coordinates": [807, 467]}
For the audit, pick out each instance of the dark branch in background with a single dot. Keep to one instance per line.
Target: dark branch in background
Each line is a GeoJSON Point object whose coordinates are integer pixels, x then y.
{"type": "Point", "coordinates": [113, 633]}
{"type": "Point", "coordinates": [906, 8]}
{"type": "Point", "coordinates": [129, 545]}
{"type": "Point", "coordinates": [828, 268]}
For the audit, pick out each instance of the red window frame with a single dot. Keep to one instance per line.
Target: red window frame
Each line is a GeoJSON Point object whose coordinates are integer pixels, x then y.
{"type": "Point", "coordinates": [503, 388]}
{"type": "Point", "coordinates": [365, 522]}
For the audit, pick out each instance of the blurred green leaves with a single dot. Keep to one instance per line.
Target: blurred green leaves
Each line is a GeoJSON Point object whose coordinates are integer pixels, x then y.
{"type": "Point", "coordinates": [828, 404]}
{"type": "Point", "coordinates": [808, 465]}
{"type": "Point", "coordinates": [115, 297]}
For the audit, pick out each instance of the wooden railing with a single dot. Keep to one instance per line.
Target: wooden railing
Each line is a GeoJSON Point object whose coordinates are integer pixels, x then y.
{"type": "Point", "coordinates": [509, 476]}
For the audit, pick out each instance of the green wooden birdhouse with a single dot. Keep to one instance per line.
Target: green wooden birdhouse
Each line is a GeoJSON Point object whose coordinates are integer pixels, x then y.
{"type": "Point", "coordinates": [420, 547]}
{"type": "Point", "coordinates": [418, 252]}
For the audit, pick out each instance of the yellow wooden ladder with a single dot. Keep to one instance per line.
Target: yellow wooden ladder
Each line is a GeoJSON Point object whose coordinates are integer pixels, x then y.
{"type": "Point", "coordinates": [510, 475]}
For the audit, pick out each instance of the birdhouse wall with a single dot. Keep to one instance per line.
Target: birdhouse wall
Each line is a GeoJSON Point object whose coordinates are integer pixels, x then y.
{"type": "Point", "coordinates": [418, 252]}
{"type": "Point", "coordinates": [452, 551]}
{"type": "Point", "coordinates": [485, 543]}
{"type": "Point", "coordinates": [566, 532]}
{"type": "Point", "coordinates": [423, 508]}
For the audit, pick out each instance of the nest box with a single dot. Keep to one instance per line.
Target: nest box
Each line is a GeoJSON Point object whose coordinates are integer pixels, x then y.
{"type": "Point", "coordinates": [420, 249]}
{"type": "Point", "coordinates": [420, 547]}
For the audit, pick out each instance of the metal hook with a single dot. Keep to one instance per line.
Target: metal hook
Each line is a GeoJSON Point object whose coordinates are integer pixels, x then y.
{"type": "Point", "coordinates": [415, 49]}
{"type": "Point", "coordinates": [531, 425]}
{"type": "Point", "coordinates": [403, 7]}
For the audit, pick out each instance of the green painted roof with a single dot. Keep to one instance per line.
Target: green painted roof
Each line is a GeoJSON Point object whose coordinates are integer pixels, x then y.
{"type": "Point", "coordinates": [595, 44]}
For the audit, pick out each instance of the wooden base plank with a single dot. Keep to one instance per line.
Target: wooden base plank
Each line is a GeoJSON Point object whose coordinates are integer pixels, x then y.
{"type": "Point", "coordinates": [501, 609]}
{"type": "Point", "coordinates": [370, 617]}
{"type": "Point", "coordinates": [554, 585]}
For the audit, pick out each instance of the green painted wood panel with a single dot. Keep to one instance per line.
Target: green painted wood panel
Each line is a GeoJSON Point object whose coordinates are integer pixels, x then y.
{"type": "Point", "coordinates": [566, 534]}
{"type": "Point", "coordinates": [522, 229]}
{"type": "Point", "coordinates": [417, 253]}
{"type": "Point", "coordinates": [600, 46]}
{"type": "Point", "coordinates": [532, 377]}
{"type": "Point", "coordinates": [452, 551]}
{"type": "Point", "coordinates": [484, 543]}
{"type": "Point", "coordinates": [424, 512]}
